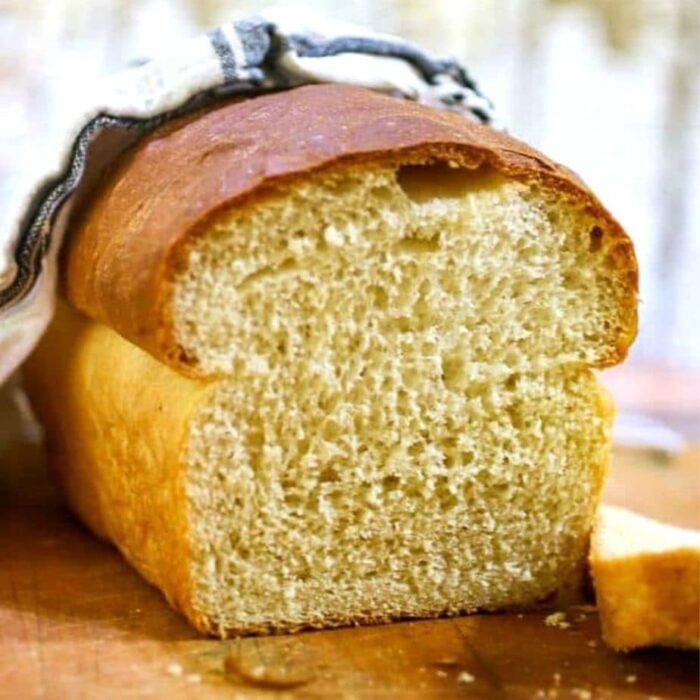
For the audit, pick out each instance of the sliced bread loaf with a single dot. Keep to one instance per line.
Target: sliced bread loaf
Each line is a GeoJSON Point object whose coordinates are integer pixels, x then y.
{"type": "Point", "coordinates": [334, 363]}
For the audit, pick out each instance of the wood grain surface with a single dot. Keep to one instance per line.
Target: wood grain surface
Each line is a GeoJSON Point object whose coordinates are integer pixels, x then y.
{"type": "Point", "coordinates": [77, 622]}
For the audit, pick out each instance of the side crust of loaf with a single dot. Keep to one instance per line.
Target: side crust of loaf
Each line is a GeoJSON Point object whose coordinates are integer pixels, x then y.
{"type": "Point", "coordinates": [647, 581]}
{"type": "Point", "coordinates": [124, 254]}
{"type": "Point", "coordinates": [114, 445]}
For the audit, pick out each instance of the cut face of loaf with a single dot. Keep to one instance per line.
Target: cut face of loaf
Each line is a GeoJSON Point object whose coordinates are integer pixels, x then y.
{"type": "Point", "coordinates": [368, 393]}
{"type": "Point", "coordinates": [465, 274]}
{"type": "Point", "coordinates": [411, 499]}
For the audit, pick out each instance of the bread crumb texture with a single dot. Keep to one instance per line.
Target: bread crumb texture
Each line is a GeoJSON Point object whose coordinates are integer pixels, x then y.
{"type": "Point", "coordinates": [501, 276]}
{"type": "Point", "coordinates": [404, 421]}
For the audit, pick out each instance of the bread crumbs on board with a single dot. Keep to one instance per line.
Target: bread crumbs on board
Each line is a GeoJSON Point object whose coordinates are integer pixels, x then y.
{"type": "Point", "coordinates": [557, 619]}
{"type": "Point", "coordinates": [174, 669]}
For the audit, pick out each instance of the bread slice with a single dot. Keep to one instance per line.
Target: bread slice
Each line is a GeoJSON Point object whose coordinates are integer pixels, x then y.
{"type": "Point", "coordinates": [647, 580]}
{"type": "Point", "coordinates": [334, 363]}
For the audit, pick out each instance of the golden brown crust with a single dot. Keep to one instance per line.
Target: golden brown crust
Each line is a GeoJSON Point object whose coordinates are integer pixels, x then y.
{"type": "Point", "coordinates": [121, 256]}
{"type": "Point", "coordinates": [645, 597]}
{"type": "Point", "coordinates": [114, 447]}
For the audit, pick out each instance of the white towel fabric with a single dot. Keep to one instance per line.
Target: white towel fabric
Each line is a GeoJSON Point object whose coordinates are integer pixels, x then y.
{"type": "Point", "coordinates": [274, 50]}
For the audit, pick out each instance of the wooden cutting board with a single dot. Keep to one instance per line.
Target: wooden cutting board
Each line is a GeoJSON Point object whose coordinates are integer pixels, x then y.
{"type": "Point", "coordinates": [77, 622]}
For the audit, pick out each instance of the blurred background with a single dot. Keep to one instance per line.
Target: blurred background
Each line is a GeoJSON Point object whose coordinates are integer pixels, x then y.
{"type": "Point", "coordinates": [609, 87]}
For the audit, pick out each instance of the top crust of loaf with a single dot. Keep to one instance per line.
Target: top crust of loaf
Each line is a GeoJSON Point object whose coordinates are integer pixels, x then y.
{"type": "Point", "coordinates": [124, 251]}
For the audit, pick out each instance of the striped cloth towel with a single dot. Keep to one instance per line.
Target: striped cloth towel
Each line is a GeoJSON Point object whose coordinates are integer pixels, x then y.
{"type": "Point", "coordinates": [274, 50]}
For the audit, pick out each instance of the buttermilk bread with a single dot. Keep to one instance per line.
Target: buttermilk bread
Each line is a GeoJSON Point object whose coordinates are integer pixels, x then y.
{"type": "Point", "coordinates": [327, 357]}
{"type": "Point", "coordinates": [647, 580]}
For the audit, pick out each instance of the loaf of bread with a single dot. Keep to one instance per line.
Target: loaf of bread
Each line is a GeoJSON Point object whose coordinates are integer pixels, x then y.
{"type": "Point", "coordinates": [326, 358]}
{"type": "Point", "coordinates": [647, 581]}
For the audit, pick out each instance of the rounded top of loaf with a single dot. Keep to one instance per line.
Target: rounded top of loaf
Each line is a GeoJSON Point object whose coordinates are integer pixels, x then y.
{"type": "Point", "coordinates": [122, 253]}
